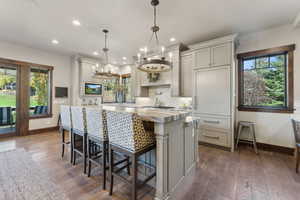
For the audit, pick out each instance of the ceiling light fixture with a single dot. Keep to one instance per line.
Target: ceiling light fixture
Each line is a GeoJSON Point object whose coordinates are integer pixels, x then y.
{"type": "Point", "coordinates": [95, 53]}
{"type": "Point", "coordinates": [104, 72]}
{"type": "Point", "coordinates": [154, 65]}
{"type": "Point", "coordinates": [75, 22]}
{"type": "Point", "coordinates": [124, 58]}
{"type": "Point", "coordinates": [54, 41]}
{"type": "Point", "coordinates": [172, 39]}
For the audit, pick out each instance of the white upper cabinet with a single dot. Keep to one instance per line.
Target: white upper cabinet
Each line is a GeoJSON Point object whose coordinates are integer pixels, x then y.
{"type": "Point", "coordinates": [202, 57]}
{"type": "Point", "coordinates": [221, 55]}
{"type": "Point", "coordinates": [213, 56]}
{"type": "Point", "coordinates": [187, 65]}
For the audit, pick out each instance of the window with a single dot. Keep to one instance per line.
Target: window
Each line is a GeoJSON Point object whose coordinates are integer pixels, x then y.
{"type": "Point", "coordinates": [109, 90]}
{"type": "Point", "coordinates": [126, 82]}
{"type": "Point", "coordinates": [266, 80]}
{"type": "Point", "coordinates": [40, 92]}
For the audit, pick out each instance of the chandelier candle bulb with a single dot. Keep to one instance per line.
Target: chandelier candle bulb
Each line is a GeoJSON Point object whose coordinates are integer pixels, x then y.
{"type": "Point", "coordinates": [163, 51]}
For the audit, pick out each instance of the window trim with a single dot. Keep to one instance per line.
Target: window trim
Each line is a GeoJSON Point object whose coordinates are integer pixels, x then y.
{"type": "Point", "coordinates": [289, 49]}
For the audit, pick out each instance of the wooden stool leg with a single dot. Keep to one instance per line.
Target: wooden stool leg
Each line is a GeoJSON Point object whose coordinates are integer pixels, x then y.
{"type": "Point", "coordinates": [111, 165]}
{"type": "Point", "coordinates": [84, 153]}
{"type": "Point", "coordinates": [88, 157]}
{"type": "Point", "coordinates": [239, 135]}
{"type": "Point", "coordinates": [297, 159]}
{"type": "Point", "coordinates": [134, 177]}
{"type": "Point", "coordinates": [73, 152]}
{"type": "Point", "coordinates": [62, 142]}
{"type": "Point", "coordinates": [104, 165]}
{"type": "Point", "coordinates": [71, 146]}
{"type": "Point", "coordinates": [252, 130]}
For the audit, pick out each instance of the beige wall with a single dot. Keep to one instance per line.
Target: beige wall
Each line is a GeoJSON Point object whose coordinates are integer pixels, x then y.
{"type": "Point", "coordinates": [61, 74]}
{"type": "Point", "coordinates": [273, 128]}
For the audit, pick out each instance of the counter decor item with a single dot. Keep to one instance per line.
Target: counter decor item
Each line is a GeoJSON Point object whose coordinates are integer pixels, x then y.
{"type": "Point", "coordinates": [153, 76]}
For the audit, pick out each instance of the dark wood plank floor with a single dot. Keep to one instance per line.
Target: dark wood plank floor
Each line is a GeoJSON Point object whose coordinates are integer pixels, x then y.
{"type": "Point", "coordinates": [220, 175]}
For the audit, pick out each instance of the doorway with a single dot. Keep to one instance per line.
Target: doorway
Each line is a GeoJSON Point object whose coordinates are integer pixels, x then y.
{"type": "Point", "coordinates": [8, 99]}
{"type": "Point", "coordinates": [25, 94]}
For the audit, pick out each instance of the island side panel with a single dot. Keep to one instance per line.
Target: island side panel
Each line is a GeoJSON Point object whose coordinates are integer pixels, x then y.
{"type": "Point", "coordinates": [162, 161]}
{"type": "Point", "coordinates": [170, 157]}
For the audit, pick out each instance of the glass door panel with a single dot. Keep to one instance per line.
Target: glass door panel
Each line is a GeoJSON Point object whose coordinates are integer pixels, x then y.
{"type": "Point", "coordinates": [8, 99]}
{"type": "Point", "coordinates": [39, 92]}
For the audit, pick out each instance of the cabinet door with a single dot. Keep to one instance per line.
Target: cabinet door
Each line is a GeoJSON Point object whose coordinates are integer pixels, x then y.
{"type": "Point", "coordinates": [212, 91]}
{"type": "Point", "coordinates": [187, 64]}
{"type": "Point", "coordinates": [202, 58]}
{"type": "Point", "coordinates": [220, 55]}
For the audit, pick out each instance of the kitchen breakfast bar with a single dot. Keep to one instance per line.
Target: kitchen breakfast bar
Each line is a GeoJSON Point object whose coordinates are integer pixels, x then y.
{"type": "Point", "coordinates": [176, 144]}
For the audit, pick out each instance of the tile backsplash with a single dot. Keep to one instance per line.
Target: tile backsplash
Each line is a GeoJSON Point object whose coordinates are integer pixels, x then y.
{"type": "Point", "coordinates": [163, 94]}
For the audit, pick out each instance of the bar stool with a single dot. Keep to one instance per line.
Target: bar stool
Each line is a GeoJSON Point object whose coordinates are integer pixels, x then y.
{"type": "Point", "coordinates": [296, 128]}
{"type": "Point", "coordinates": [79, 134]}
{"type": "Point", "coordinates": [127, 135]}
{"type": "Point", "coordinates": [251, 126]}
{"type": "Point", "coordinates": [65, 125]}
{"type": "Point", "coordinates": [97, 141]}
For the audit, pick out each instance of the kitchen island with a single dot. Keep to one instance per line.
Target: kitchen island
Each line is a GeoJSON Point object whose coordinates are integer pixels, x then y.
{"type": "Point", "coordinates": [177, 145]}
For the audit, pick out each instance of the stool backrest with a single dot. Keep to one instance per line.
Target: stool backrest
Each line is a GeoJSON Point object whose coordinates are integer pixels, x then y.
{"type": "Point", "coordinates": [96, 123]}
{"type": "Point", "coordinates": [65, 117]}
{"type": "Point", "coordinates": [127, 131]}
{"type": "Point", "coordinates": [78, 119]}
{"type": "Point", "coordinates": [296, 127]}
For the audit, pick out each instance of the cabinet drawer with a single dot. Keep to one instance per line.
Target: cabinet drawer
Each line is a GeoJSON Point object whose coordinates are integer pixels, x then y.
{"type": "Point", "coordinates": [214, 122]}
{"type": "Point", "coordinates": [214, 137]}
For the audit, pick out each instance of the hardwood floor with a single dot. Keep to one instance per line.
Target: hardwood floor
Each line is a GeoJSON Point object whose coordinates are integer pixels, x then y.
{"type": "Point", "coordinates": [220, 175]}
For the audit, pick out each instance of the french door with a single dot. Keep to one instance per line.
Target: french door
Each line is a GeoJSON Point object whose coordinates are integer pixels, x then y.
{"type": "Point", "coordinates": [25, 93]}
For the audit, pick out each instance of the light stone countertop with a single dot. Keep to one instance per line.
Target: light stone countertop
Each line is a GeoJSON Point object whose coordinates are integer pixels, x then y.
{"type": "Point", "coordinates": [148, 113]}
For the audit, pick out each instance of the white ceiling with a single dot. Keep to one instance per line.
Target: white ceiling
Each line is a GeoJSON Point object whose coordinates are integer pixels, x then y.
{"type": "Point", "coordinates": [35, 23]}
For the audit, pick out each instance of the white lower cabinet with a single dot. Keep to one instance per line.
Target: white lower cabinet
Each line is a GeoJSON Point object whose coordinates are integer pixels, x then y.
{"type": "Point", "coordinates": [217, 137]}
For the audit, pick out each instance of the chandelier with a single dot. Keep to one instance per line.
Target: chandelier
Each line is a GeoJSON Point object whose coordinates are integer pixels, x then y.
{"type": "Point", "coordinates": [104, 71]}
{"type": "Point", "coordinates": [156, 64]}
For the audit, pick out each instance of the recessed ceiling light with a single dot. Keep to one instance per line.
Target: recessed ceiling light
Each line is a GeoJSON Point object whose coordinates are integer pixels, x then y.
{"type": "Point", "coordinates": [75, 22]}
{"type": "Point", "coordinates": [54, 41]}
{"type": "Point", "coordinates": [142, 49]}
{"type": "Point", "coordinates": [172, 39]}
{"type": "Point", "coordinates": [95, 53]}
{"type": "Point", "coordinates": [124, 58]}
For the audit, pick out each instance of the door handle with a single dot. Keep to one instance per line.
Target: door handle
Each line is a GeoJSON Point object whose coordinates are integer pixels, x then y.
{"type": "Point", "coordinates": [212, 137]}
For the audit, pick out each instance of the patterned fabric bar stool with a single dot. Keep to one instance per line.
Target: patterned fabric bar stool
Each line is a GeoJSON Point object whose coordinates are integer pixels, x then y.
{"type": "Point", "coordinates": [97, 140]}
{"type": "Point", "coordinates": [65, 125]}
{"type": "Point", "coordinates": [79, 134]}
{"type": "Point", "coordinates": [251, 127]}
{"type": "Point", "coordinates": [127, 135]}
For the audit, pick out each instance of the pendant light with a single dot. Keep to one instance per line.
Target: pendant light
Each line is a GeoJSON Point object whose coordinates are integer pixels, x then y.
{"type": "Point", "coordinates": [105, 70]}
{"type": "Point", "coordinates": [157, 64]}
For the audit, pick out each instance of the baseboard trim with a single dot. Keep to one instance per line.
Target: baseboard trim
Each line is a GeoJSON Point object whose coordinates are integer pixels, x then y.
{"type": "Point", "coordinates": [271, 147]}
{"type": "Point", "coordinates": [43, 130]}
{"type": "Point", "coordinates": [260, 146]}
